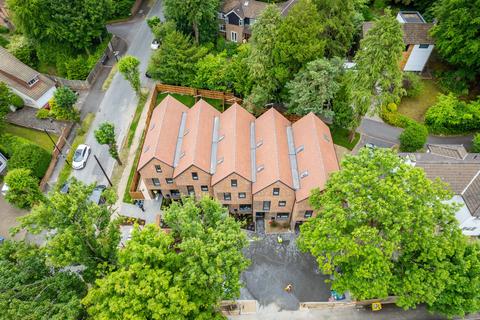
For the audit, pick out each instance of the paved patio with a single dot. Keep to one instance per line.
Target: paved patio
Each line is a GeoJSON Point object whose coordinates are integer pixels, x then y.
{"type": "Point", "coordinates": [273, 266]}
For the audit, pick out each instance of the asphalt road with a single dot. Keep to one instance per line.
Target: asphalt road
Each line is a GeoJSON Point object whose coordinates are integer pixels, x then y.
{"type": "Point", "coordinates": [119, 103]}
{"type": "Point", "coordinates": [384, 135]}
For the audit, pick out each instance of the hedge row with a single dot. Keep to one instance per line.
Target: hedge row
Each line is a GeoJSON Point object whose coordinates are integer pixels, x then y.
{"type": "Point", "coordinates": [24, 154]}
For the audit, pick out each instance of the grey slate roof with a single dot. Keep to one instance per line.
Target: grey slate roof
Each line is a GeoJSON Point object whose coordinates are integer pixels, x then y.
{"type": "Point", "coordinates": [413, 33]}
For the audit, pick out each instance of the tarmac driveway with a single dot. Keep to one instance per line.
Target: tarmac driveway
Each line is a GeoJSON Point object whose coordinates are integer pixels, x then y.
{"type": "Point", "coordinates": [274, 266]}
{"type": "Point", "coordinates": [8, 216]}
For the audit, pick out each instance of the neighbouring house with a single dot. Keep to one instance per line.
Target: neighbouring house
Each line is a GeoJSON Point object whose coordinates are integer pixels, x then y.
{"type": "Point", "coordinates": [263, 168]}
{"type": "Point", "coordinates": [461, 170]}
{"type": "Point", "coordinates": [237, 17]}
{"type": "Point", "coordinates": [418, 42]}
{"type": "Point", "coordinates": [33, 87]}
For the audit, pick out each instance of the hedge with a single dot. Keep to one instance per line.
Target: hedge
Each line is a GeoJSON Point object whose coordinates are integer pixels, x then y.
{"type": "Point", "coordinates": [413, 138]}
{"type": "Point", "coordinates": [24, 154]}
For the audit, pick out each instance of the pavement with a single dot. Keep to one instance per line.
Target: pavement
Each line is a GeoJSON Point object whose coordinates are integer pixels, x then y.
{"type": "Point", "coordinates": [274, 266]}
{"type": "Point", "coordinates": [8, 216]}
{"type": "Point", "coordinates": [119, 102]}
{"type": "Point", "coordinates": [348, 313]}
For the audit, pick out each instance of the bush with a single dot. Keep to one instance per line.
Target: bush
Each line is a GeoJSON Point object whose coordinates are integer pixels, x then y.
{"type": "Point", "coordinates": [23, 189]}
{"type": "Point", "coordinates": [412, 84]}
{"type": "Point", "coordinates": [43, 114]}
{"type": "Point", "coordinates": [4, 29]}
{"type": "Point", "coordinates": [391, 116]}
{"type": "Point", "coordinates": [65, 97]}
{"type": "Point", "coordinates": [23, 50]}
{"type": "Point", "coordinates": [455, 81]}
{"type": "Point", "coordinates": [121, 8]}
{"type": "Point", "coordinates": [451, 115]}
{"type": "Point", "coordinates": [30, 156]}
{"type": "Point", "coordinates": [4, 41]}
{"type": "Point", "coordinates": [60, 113]}
{"type": "Point", "coordinates": [413, 137]}
{"type": "Point", "coordinates": [476, 143]}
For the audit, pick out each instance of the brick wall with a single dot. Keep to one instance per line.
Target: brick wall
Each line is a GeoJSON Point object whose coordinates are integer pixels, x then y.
{"type": "Point", "coordinates": [225, 185]}
{"type": "Point", "coordinates": [286, 194]}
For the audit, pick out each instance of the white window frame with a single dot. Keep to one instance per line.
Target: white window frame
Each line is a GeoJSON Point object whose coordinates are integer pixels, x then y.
{"type": "Point", "coordinates": [231, 36]}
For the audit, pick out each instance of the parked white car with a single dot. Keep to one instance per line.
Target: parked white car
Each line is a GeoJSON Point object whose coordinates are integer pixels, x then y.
{"type": "Point", "coordinates": [80, 157]}
{"type": "Point", "coordinates": [4, 189]}
{"type": "Point", "coordinates": [155, 44]}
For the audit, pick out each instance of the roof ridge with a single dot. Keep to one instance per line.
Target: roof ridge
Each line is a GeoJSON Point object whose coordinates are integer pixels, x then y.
{"type": "Point", "coordinates": [197, 124]}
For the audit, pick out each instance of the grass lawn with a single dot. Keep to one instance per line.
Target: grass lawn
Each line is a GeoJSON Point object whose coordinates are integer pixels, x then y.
{"type": "Point", "coordinates": [37, 137]}
{"type": "Point", "coordinates": [79, 139]}
{"type": "Point", "coordinates": [189, 101]}
{"type": "Point", "coordinates": [341, 137]}
{"type": "Point", "coordinates": [415, 108]}
{"type": "Point", "coordinates": [126, 196]}
{"type": "Point", "coordinates": [136, 118]}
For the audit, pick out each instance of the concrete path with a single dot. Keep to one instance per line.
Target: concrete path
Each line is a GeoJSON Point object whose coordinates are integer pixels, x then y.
{"type": "Point", "coordinates": [151, 207]}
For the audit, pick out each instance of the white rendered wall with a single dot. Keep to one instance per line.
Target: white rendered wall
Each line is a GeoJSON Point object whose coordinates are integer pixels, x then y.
{"type": "Point", "coordinates": [46, 96]}
{"type": "Point", "coordinates": [418, 58]}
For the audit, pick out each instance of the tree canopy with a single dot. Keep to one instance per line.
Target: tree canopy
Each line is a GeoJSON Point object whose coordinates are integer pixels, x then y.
{"type": "Point", "coordinates": [314, 88]}
{"type": "Point", "coordinates": [31, 289]}
{"type": "Point", "coordinates": [23, 191]}
{"type": "Point", "coordinates": [70, 23]}
{"type": "Point", "coordinates": [456, 32]}
{"type": "Point", "coordinates": [128, 67]}
{"type": "Point", "coordinates": [194, 17]}
{"type": "Point", "coordinates": [384, 229]}
{"type": "Point", "coordinates": [178, 275]}
{"type": "Point", "coordinates": [84, 232]}
{"type": "Point", "coordinates": [105, 134]}
{"type": "Point", "coordinates": [378, 74]}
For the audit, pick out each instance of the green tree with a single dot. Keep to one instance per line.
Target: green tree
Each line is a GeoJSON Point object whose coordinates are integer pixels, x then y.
{"type": "Point", "coordinates": [179, 275]}
{"type": "Point", "coordinates": [23, 191]}
{"type": "Point", "coordinates": [7, 99]}
{"type": "Point", "coordinates": [105, 134]}
{"type": "Point", "coordinates": [384, 229]}
{"type": "Point", "coordinates": [77, 24]}
{"type": "Point", "coordinates": [456, 32]}
{"type": "Point", "coordinates": [175, 61]}
{"type": "Point", "coordinates": [31, 289]}
{"type": "Point", "coordinates": [299, 40]}
{"type": "Point", "coordinates": [238, 72]}
{"type": "Point", "coordinates": [343, 113]}
{"type": "Point", "coordinates": [414, 137]}
{"type": "Point", "coordinates": [212, 72]}
{"type": "Point", "coordinates": [476, 143]}
{"type": "Point", "coordinates": [128, 67]}
{"type": "Point", "coordinates": [262, 65]}
{"type": "Point", "coordinates": [65, 97]}
{"type": "Point", "coordinates": [378, 78]}
{"type": "Point", "coordinates": [85, 233]}
{"type": "Point", "coordinates": [314, 88]}
{"type": "Point", "coordinates": [197, 15]}
{"type": "Point", "coordinates": [339, 19]}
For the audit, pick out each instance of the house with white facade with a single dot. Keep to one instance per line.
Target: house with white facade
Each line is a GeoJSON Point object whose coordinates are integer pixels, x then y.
{"type": "Point", "coordinates": [461, 171]}
{"type": "Point", "coordinates": [33, 87]}
{"type": "Point", "coordinates": [418, 42]}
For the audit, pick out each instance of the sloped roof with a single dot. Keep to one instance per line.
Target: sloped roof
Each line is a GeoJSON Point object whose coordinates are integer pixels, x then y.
{"type": "Point", "coordinates": [161, 137]}
{"type": "Point", "coordinates": [413, 33]}
{"type": "Point", "coordinates": [253, 8]}
{"type": "Point", "coordinates": [316, 157]}
{"type": "Point", "coordinates": [234, 147]}
{"type": "Point", "coordinates": [471, 195]}
{"type": "Point", "coordinates": [16, 75]}
{"type": "Point", "coordinates": [447, 150]}
{"type": "Point", "coordinates": [197, 141]}
{"type": "Point", "coordinates": [272, 154]}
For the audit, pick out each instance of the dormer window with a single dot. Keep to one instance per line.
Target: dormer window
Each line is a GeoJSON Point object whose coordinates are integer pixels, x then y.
{"type": "Point", "coordinates": [33, 81]}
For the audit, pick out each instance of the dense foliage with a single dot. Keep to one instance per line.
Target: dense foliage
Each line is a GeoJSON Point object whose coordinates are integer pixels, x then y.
{"type": "Point", "coordinates": [183, 274]}
{"type": "Point", "coordinates": [414, 137]}
{"type": "Point", "coordinates": [452, 115]}
{"type": "Point", "coordinates": [85, 233]}
{"type": "Point", "coordinates": [412, 84]}
{"type": "Point", "coordinates": [62, 105]}
{"type": "Point", "coordinates": [456, 32]}
{"type": "Point", "coordinates": [26, 155]}
{"type": "Point", "coordinates": [31, 289]}
{"type": "Point", "coordinates": [23, 191]}
{"type": "Point", "coordinates": [476, 143]}
{"type": "Point", "coordinates": [313, 88]}
{"type": "Point", "coordinates": [128, 67]}
{"type": "Point", "coordinates": [384, 229]}
{"type": "Point", "coordinates": [193, 17]}
{"type": "Point", "coordinates": [105, 134]}
{"type": "Point", "coordinates": [7, 99]}
{"type": "Point", "coordinates": [121, 8]}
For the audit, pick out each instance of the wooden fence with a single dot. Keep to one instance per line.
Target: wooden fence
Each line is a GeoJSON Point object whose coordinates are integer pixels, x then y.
{"type": "Point", "coordinates": [133, 190]}
{"type": "Point", "coordinates": [55, 155]}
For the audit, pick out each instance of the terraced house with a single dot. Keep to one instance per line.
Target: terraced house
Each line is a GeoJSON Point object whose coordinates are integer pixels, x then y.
{"type": "Point", "coordinates": [262, 167]}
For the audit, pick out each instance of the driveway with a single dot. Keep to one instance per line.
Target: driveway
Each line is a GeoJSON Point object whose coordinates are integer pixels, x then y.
{"type": "Point", "coordinates": [119, 103]}
{"type": "Point", "coordinates": [8, 216]}
{"type": "Point", "coordinates": [274, 266]}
